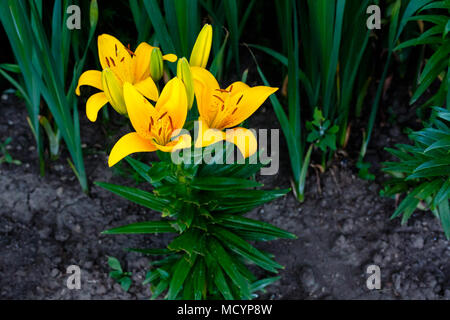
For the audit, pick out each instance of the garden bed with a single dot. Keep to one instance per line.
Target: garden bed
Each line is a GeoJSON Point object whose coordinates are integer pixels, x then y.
{"type": "Point", "coordinates": [47, 224]}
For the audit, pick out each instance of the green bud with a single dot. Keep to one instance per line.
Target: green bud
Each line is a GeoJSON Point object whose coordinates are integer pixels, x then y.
{"type": "Point", "coordinates": [93, 13]}
{"type": "Point", "coordinates": [156, 65]}
{"type": "Point", "coordinates": [184, 74]}
{"type": "Point", "coordinates": [114, 91]}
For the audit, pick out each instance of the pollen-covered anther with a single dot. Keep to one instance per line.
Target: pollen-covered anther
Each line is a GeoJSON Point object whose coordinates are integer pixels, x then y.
{"type": "Point", "coordinates": [107, 62]}
{"type": "Point", "coordinates": [112, 60]}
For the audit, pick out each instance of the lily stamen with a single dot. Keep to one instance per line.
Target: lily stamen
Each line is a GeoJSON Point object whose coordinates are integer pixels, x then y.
{"type": "Point", "coordinates": [112, 60]}
{"type": "Point", "coordinates": [239, 100]}
{"type": "Point", "coordinates": [107, 62]}
{"type": "Point", "coordinates": [129, 51]}
{"type": "Point", "coordinates": [219, 98]}
{"type": "Point", "coordinates": [162, 116]}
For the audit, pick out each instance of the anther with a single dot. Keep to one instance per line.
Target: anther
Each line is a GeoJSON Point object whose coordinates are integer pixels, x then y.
{"type": "Point", "coordinates": [218, 98]}
{"type": "Point", "coordinates": [171, 123]}
{"type": "Point", "coordinates": [115, 45]}
{"type": "Point", "coordinates": [112, 60]}
{"type": "Point", "coordinates": [162, 116]}
{"type": "Point", "coordinates": [129, 51]}
{"type": "Point", "coordinates": [239, 100]}
{"type": "Point", "coordinates": [107, 62]}
{"type": "Point", "coordinates": [234, 110]}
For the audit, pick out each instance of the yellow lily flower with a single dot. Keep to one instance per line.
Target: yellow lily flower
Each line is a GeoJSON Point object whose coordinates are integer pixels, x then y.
{"type": "Point", "coordinates": [222, 109]}
{"type": "Point", "coordinates": [155, 126]}
{"type": "Point", "coordinates": [202, 47]}
{"type": "Point", "coordinates": [119, 65]}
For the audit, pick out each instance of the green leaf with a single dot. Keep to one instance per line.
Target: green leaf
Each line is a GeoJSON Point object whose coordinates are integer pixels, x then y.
{"type": "Point", "coordinates": [114, 264]}
{"type": "Point", "coordinates": [224, 260]}
{"type": "Point", "coordinates": [180, 273]}
{"type": "Point", "coordinates": [261, 284]}
{"type": "Point", "coordinates": [199, 279]}
{"type": "Point", "coordinates": [246, 224]}
{"type": "Point", "coordinates": [444, 214]}
{"type": "Point", "coordinates": [143, 228]}
{"type": "Point", "coordinates": [125, 283]}
{"type": "Point", "coordinates": [138, 196]}
{"type": "Point", "coordinates": [189, 242]}
{"type": "Point", "coordinates": [216, 276]}
{"type": "Point", "coordinates": [222, 183]}
{"type": "Point", "coordinates": [241, 247]}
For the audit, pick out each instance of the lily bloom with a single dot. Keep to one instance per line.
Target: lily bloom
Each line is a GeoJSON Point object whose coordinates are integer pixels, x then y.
{"type": "Point", "coordinates": [222, 109]}
{"type": "Point", "coordinates": [119, 65]}
{"type": "Point", "coordinates": [155, 126]}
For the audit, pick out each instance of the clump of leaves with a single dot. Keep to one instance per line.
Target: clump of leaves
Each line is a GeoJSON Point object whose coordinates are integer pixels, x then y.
{"type": "Point", "coordinates": [203, 204]}
{"type": "Point", "coordinates": [436, 37]}
{"type": "Point", "coordinates": [423, 171]}
{"type": "Point", "coordinates": [5, 157]}
{"type": "Point", "coordinates": [117, 273]}
{"type": "Point", "coordinates": [321, 132]}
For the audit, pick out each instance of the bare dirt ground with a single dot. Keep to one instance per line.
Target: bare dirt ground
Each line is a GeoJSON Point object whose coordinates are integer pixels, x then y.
{"type": "Point", "coordinates": [47, 224]}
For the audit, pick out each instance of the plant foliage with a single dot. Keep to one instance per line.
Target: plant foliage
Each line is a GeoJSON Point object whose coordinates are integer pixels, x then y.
{"type": "Point", "coordinates": [423, 171]}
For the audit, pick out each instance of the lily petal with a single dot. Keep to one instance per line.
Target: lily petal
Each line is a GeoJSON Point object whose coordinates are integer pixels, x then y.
{"type": "Point", "coordinates": [94, 104]}
{"type": "Point", "coordinates": [170, 57]}
{"type": "Point", "coordinates": [142, 61]}
{"type": "Point", "coordinates": [91, 78]}
{"type": "Point", "coordinates": [113, 54]}
{"type": "Point", "coordinates": [237, 87]}
{"type": "Point", "coordinates": [139, 110]}
{"type": "Point", "coordinates": [247, 103]}
{"type": "Point", "coordinates": [148, 88]}
{"type": "Point", "coordinates": [173, 100]}
{"type": "Point", "coordinates": [244, 140]}
{"type": "Point", "coordinates": [207, 136]}
{"type": "Point", "coordinates": [181, 142]}
{"type": "Point", "coordinates": [204, 86]}
{"type": "Point", "coordinates": [128, 144]}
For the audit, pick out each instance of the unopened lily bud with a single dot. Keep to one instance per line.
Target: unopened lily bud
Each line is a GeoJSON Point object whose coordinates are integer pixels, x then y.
{"type": "Point", "coordinates": [202, 47]}
{"type": "Point", "coordinates": [93, 13]}
{"type": "Point", "coordinates": [184, 74]}
{"type": "Point", "coordinates": [156, 65]}
{"type": "Point", "coordinates": [113, 91]}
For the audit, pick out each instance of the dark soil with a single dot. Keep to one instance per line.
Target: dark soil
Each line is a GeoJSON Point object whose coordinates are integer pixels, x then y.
{"type": "Point", "coordinates": [47, 224]}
